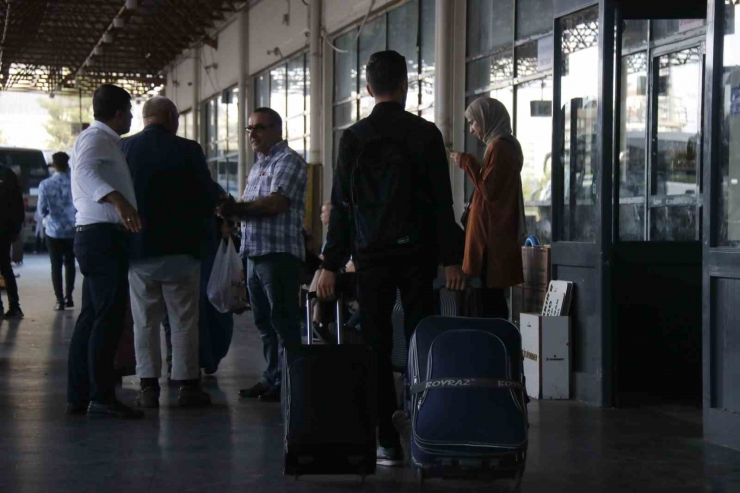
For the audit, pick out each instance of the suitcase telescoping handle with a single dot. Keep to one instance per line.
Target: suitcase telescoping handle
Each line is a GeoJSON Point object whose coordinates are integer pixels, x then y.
{"type": "Point", "coordinates": [338, 313]}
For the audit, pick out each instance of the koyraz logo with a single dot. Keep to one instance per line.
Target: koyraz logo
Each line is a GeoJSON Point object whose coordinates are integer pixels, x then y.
{"type": "Point", "coordinates": [467, 382]}
{"type": "Point", "coordinates": [449, 383]}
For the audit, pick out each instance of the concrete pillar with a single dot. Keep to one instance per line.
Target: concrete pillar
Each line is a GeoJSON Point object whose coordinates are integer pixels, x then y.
{"type": "Point", "coordinates": [458, 27]}
{"type": "Point", "coordinates": [196, 96]}
{"type": "Point", "coordinates": [443, 49]}
{"type": "Point", "coordinates": [316, 68]}
{"type": "Point", "coordinates": [243, 99]}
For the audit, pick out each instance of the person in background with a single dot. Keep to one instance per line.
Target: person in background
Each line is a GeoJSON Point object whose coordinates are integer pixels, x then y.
{"type": "Point", "coordinates": [103, 194]}
{"type": "Point", "coordinates": [414, 150]}
{"type": "Point", "coordinates": [58, 212]}
{"type": "Point", "coordinates": [12, 215]}
{"type": "Point", "coordinates": [495, 227]}
{"type": "Point", "coordinates": [272, 212]}
{"type": "Point", "coordinates": [176, 196]}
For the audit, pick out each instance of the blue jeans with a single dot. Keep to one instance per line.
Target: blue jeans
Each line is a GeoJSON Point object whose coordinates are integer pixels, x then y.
{"type": "Point", "coordinates": [272, 281]}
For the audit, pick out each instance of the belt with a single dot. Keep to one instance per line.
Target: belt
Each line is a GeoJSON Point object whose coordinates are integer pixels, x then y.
{"type": "Point", "coordinates": [90, 227]}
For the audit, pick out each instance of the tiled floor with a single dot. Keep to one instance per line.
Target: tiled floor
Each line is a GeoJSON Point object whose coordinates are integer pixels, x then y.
{"type": "Point", "coordinates": [237, 446]}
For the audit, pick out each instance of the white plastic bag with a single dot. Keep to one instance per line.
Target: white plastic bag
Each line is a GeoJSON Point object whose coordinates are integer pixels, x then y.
{"type": "Point", "coordinates": [226, 289]}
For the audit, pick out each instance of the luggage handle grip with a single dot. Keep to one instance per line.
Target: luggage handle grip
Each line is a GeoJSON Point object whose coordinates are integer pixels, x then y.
{"type": "Point", "coordinates": [338, 314]}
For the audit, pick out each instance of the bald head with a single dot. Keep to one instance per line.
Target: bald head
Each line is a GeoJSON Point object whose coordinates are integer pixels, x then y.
{"type": "Point", "coordinates": [160, 110]}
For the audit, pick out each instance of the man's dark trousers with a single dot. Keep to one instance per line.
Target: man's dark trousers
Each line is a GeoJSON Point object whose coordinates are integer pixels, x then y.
{"type": "Point", "coordinates": [377, 285]}
{"type": "Point", "coordinates": [102, 253]}
{"type": "Point", "coordinates": [61, 253]}
{"type": "Point", "coordinates": [6, 270]}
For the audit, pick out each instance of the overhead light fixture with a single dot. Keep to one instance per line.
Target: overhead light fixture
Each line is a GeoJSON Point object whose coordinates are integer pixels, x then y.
{"type": "Point", "coordinates": [118, 23]}
{"type": "Point", "coordinates": [132, 4]}
{"type": "Point", "coordinates": [98, 50]}
{"type": "Point", "coordinates": [107, 38]}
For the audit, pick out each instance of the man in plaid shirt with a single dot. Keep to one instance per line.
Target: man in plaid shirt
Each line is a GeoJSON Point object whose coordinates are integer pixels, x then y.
{"type": "Point", "coordinates": [273, 208]}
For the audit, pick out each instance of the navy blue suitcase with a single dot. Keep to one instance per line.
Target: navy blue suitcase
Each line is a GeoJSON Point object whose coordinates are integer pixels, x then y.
{"type": "Point", "coordinates": [467, 400]}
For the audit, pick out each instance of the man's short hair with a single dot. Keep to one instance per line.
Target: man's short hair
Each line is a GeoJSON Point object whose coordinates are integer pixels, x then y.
{"type": "Point", "coordinates": [108, 99]}
{"type": "Point", "coordinates": [272, 114]}
{"type": "Point", "coordinates": [61, 161]}
{"type": "Point", "coordinates": [386, 71]}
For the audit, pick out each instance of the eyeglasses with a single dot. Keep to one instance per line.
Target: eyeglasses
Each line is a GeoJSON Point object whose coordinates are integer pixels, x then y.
{"type": "Point", "coordinates": [258, 128]}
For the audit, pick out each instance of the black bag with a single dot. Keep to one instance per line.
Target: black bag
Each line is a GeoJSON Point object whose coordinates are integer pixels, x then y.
{"type": "Point", "coordinates": [384, 190]}
{"type": "Point", "coordinates": [329, 408]}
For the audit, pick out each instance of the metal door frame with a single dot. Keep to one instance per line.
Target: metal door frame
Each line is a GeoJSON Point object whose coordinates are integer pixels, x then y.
{"type": "Point", "coordinates": [592, 388]}
{"type": "Point", "coordinates": [720, 426]}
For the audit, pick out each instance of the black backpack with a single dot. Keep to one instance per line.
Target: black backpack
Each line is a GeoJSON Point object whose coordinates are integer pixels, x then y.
{"type": "Point", "coordinates": [384, 192]}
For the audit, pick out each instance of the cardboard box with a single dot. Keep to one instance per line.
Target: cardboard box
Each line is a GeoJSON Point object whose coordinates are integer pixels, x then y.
{"type": "Point", "coordinates": [547, 355]}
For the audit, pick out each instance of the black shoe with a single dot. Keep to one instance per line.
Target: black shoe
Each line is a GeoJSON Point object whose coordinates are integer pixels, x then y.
{"type": "Point", "coordinates": [59, 306]}
{"type": "Point", "coordinates": [272, 395]}
{"type": "Point", "coordinates": [14, 312]}
{"type": "Point", "coordinates": [77, 408]}
{"type": "Point", "coordinates": [148, 398]}
{"type": "Point", "coordinates": [255, 391]}
{"type": "Point", "coordinates": [68, 302]}
{"type": "Point", "coordinates": [114, 409]}
{"type": "Point", "coordinates": [391, 456]}
{"type": "Point", "coordinates": [193, 396]}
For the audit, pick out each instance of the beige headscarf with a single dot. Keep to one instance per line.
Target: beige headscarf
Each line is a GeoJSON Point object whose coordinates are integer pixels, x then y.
{"type": "Point", "coordinates": [495, 123]}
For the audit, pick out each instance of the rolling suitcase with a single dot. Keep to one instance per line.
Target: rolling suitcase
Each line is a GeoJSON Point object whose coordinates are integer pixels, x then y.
{"type": "Point", "coordinates": [467, 402]}
{"type": "Point", "coordinates": [329, 407]}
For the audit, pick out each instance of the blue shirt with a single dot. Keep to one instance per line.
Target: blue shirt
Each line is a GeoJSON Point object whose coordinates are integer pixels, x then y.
{"type": "Point", "coordinates": [280, 171]}
{"type": "Point", "coordinates": [55, 204]}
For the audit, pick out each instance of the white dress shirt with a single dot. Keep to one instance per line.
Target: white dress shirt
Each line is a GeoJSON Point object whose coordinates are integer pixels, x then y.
{"type": "Point", "coordinates": [99, 168]}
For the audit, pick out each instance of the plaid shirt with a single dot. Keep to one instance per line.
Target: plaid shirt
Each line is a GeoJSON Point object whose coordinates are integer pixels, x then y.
{"type": "Point", "coordinates": [284, 171]}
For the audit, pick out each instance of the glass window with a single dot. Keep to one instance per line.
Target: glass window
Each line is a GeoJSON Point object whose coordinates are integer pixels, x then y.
{"type": "Point", "coordinates": [632, 142]}
{"type": "Point", "coordinates": [345, 67]}
{"type": "Point", "coordinates": [222, 122]}
{"type": "Point", "coordinates": [679, 116]}
{"type": "Point", "coordinates": [403, 29]}
{"type": "Point", "coordinates": [487, 71]}
{"type": "Point", "coordinates": [296, 128]}
{"type": "Point", "coordinates": [278, 91]}
{"type": "Point", "coordinates": [428, 24]}
{"type": "Point", "coordinates": [728, 203]}
{"type": "Point", "coordinates": [490, 25]}
{"type": "Point", "coordinates": [372, 39]}
{"type": "Point", "coordinates": [232, 119]}
{"type": "Point", "coordinates": [307, 96]}
{"type": "Point", "coordinates": [345, 114]}
{"type": "Point", "coordinates": [533, 17]}
{"type": "Point", "coordinates": [527, 59]}
{"type": "Point", "coordinates": [534, 132]}
{"type": "Point", "coordinates": [673, 223]}
{"type": "Point", "coordinates": [296, 87]}
{"type": "Point", "coordinates": [634, 33]}
{"type": "Point", "coordinates": [262, 90]}
{"type": "Point", "coordinates": [579, 97]}
{"type": "Point", "coordinates": [668, 27]}
{"type": "Point", "coordinates": [472, 146]}
{"type": "Point", "coordinates": [211, 129]}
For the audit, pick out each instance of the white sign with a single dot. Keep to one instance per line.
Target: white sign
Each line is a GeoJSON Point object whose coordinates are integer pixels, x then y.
{"type": "Point", "coordinates": [545, 53]}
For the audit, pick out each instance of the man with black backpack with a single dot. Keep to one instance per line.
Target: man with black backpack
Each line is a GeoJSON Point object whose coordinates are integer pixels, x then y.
{"type": "Point", "coordinates": [392, 210]}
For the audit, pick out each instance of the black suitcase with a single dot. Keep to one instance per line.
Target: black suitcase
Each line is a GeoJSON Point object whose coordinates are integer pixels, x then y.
{"type": "Point", "coordinates": [329, 407]}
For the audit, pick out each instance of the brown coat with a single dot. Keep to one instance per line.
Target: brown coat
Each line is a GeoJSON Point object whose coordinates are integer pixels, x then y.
{"type": "Point", "coordinates": [493, 223]}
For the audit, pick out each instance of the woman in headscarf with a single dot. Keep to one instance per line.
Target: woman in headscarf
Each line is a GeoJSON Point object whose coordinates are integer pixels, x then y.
{"type": "Point", "coordinates": [495, 227]}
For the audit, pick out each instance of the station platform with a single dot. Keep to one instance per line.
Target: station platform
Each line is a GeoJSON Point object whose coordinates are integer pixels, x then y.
{"type": "Point", "coordinates": [236, 445]}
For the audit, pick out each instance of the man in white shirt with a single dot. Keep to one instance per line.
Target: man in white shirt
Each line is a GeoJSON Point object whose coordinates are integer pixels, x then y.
{"type": "Point", "coordinates": [103, 194]}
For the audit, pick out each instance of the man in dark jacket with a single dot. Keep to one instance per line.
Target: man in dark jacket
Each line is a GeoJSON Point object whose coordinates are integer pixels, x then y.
{"type": "Point", "coordinates": [176, 196]}
{"type": "Point", "coordinates": [12, 215]}
{"type": "Point", "coordinates": [410, 263]}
